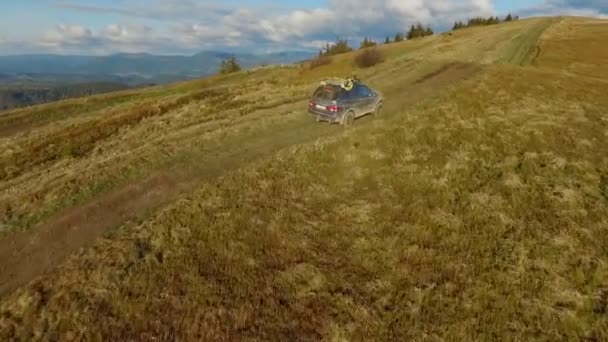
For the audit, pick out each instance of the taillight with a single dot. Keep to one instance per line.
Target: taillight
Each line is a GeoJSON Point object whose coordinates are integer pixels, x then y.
{"type": "Point", "coordinates": [334, 108]}
{"type": "Point", "coordinates": [310, 103]}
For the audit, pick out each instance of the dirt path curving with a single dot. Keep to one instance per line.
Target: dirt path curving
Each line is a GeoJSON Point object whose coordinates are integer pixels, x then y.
{"type": "Point", "coordinates": [26, 256]}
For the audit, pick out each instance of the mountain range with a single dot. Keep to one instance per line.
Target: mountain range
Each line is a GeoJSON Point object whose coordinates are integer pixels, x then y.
{"type": "Point", "coordinates": [131, 69]}
{"type": "Point", "coordinates": [34, 79]}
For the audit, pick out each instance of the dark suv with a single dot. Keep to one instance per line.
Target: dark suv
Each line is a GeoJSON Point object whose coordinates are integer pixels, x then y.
{"type": "Point", "coordinates": [332, 102]}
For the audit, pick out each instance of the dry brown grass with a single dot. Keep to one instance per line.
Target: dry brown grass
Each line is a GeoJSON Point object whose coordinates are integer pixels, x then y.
{"type": "Point", "coordinates": [319, 62]}
{"type": "Point", "coordinates": [368, 58]}
{"type": "Point", "coordinates": [577, 46]}
{"type": "Point", "coordinates": [79, 139]}
{"type": "Point", "coordinates": [73, 159]}
{"type": "Point", "coordinates": [478, 215]}
{"type": "Point", "coordinates": [429, 237]}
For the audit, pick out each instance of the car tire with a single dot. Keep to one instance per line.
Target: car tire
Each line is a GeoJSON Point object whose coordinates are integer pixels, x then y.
{"type": "Point", "coordinates": [378, 109]}
{"type": "Point", "coordinates": [349, 119]}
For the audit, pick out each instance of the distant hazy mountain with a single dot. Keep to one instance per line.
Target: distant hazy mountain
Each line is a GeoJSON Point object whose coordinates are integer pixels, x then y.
{"type": "Point", "coordinates": [34, 79]}
{"type": "Point", "coordinates": [129, 68]}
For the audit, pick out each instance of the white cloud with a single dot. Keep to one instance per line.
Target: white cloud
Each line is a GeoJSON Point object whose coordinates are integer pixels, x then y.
{"type": "Point", "coordinates": [298, 24]}
{"type": "Point", "coordinates": [115, 32]}
{"type": "Point", "coordinates": [11, 47]}
{"type": "Point", "coordinates": [188, 26]}
{"type": "Point", "coordinates": [192, 25]}
{"type": "Point", "coordinates": [168, 10]}
{"type": "Point", "coordinates": [315, 44]}
{"type": "Point", "coordinates": [112, 38]}
{"type": "Point", "coordinates": [599, 6]}
{"type": "Point", "coordinates": [587, 8]}
{"type": "Point", "coordinates": [346, 18]}
{"type": "Point", "coordinates": [66, 35]}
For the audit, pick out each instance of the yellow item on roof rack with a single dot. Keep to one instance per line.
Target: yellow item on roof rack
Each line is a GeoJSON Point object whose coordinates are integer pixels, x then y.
{"type": "Point", "coordinates": [348, 84]}
{"type": "Point", "coordinates": [344, 83]}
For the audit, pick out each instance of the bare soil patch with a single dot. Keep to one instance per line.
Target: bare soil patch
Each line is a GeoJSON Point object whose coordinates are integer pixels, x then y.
{"type": "Point", "coordinates": [455, 69]}
{"type": "Point", "coordinates": [30, 254]}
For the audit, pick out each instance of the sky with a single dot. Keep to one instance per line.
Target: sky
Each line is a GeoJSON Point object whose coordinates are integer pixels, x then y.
{"type": "Point", "coordinates": [101, 27]}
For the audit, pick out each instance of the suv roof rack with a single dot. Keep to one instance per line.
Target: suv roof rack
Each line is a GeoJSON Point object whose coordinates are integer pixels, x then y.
{"type": "Point", "coordinates": [333, 81]}
{"type": "Point", "coordinates": [339, 81]}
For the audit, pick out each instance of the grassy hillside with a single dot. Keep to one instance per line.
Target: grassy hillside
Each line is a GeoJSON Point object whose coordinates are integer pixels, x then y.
{"type": "Point", "coordinates": [21, 96]}
{"type": "Point", "coordinates": [476, 208]}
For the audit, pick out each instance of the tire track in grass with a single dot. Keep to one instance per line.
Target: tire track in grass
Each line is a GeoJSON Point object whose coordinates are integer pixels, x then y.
{"type": "Point", "coordinates": [26, 256]}
{"type": "Point", "coordinates": [524, 46]}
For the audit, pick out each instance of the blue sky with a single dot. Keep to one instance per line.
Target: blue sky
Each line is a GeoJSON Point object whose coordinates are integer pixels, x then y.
{"type": "Point", "coordinates": [96, 27]}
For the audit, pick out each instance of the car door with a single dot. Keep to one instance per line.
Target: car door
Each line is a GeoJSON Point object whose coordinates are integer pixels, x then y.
{"type": "Point", "coordinates": [348, 100]}
{"type": "Point", "coordinates": [365, 98]}
{"type": "Point", "coordinates": [358, 100]}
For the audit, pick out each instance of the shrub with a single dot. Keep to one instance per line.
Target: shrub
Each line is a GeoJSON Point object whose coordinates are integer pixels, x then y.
{"type": "Point", "coordinates": [320, 61]}
{"type": "Point", "coordinates": [368, 58]}
{"type": "Point", "coordinates": [229, 66]}
{"type": "Point", "coordinates": [458, 25]}
{"type": "Point", "coordinates": [419, 31]}
{"type": "Point", "coordinates": [479, 21]}
{"type": "Point", "coordinates": [367, 43]}
{"type": "Point", "coordinates": [340, 46]}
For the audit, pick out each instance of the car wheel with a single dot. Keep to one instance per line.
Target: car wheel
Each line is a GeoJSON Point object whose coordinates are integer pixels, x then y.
{"type": "Point", "coordinates": [318, 119]}
{"type": "Point", "coordinates": [378, 109]}
{"type": "Point", "coordinates": [349, 119]}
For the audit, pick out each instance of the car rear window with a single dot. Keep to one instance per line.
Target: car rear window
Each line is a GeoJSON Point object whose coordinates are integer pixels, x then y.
{"type": "Point", "coordinates": [327, 93]}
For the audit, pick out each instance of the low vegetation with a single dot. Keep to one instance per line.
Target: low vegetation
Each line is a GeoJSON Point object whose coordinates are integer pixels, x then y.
{"type": "Point", "coordinates": [319, 61]}
{"type": "Point", "coordinates": [479, 21]}
{"type": "Point", "coordinates": [367, 43]}
{"type": "Point", "coordinates": [474, 209]}
{"type": "Point", "coordinates": [368, 58]}
{"type": "Point", "coordinates": [229, 66]}
{"type": "Point", "coordinates": [417, 31]}
{"type": "Point", "coordinates": [20, 96]}
{"type": "Point", "coordinates": [339, 47]}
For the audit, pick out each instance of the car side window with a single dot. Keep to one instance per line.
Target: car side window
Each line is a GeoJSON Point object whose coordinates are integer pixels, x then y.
{"type": "Point", "coordinates": [362, 91]}
{"type": "Point", "coordinates": [358, 91]}
{"type": "Point", "coordinates": [348, 95]}
{"type": "Point", "coordinates": [366, 91]}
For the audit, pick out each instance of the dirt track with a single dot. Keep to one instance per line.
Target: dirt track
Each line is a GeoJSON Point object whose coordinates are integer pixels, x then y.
{"type": "Point", "coordinates": [25, 256]}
